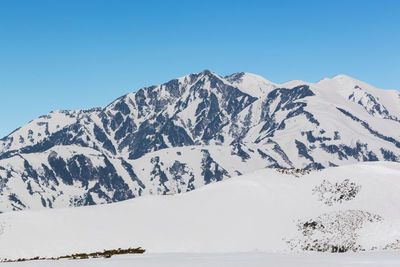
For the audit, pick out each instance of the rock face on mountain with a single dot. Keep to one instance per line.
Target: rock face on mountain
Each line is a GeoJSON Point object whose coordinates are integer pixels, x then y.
{"type": "Point", "coordinates": [192, 131]}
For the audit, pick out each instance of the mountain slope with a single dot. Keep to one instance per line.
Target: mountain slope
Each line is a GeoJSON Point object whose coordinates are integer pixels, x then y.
{"type": "Point", "coordinates": [192, 131]}
{"type": "Point", "coordinates": [352, 207]}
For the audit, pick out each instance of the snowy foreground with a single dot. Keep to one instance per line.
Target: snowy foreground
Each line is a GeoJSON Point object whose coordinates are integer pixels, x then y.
{"type": "Point", "coordinates": [355, 207]}
{"type": "Point", "coordinates": [370, 259]}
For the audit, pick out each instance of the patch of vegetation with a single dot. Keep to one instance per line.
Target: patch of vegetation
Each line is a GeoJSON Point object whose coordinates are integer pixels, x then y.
{"type": "Point", "coordinates": [332, 232]}
{"type": "Point", "coordinates": [104, 254]}
{"type": "Point", "coordinates": [292, 171]}
{"type": "Point", "coordinates": [332, 193]}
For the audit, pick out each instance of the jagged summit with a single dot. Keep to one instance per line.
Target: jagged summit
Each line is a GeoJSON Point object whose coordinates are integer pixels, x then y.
{"type": "Point", "coordinates": [207, 72]}
{"type": "Point", "coordinates": [204, 73]}
{"type": "Point", "coordinates": [194, 130]}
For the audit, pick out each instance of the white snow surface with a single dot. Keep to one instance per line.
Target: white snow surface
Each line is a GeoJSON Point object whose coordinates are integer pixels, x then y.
{"type": "Point", "coordinates": [253, 212]}
{"type": "Point", "coordinates": [253, 259]}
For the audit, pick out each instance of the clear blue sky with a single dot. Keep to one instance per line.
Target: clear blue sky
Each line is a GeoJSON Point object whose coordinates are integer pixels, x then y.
{"type": "Point", "coordinates": [81, 54]}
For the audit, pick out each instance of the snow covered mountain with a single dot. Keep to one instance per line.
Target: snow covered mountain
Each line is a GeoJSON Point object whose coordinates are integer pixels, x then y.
{"type": "Point", "coordinates": [193, 131]}
{"type": "Point", "coordinates": [346, 208]}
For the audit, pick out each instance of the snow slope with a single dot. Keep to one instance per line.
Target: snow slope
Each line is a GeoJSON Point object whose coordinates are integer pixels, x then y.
{"type": "Point", "coordinates": [267, 210]}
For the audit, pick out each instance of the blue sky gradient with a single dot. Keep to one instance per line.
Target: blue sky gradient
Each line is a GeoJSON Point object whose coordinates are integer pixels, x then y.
{"type": "Point", "coordinates": [83, 54]}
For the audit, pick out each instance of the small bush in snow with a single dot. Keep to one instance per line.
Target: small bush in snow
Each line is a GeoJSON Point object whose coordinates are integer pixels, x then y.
{"type": "Point", "coordinates": [332, 232]}
{"type": "Point", "coordinates": [332, 193]}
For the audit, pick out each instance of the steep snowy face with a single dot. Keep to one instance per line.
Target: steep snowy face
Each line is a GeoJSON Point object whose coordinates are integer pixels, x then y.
{"type": "Point", "coordinates": [43, 127]}
{"type": "Point", "coordinates": [377, 102]}
{"type": "Point", "coordinates": [182, 112]}
{"type": "Point", "coordinates": [191, 131]}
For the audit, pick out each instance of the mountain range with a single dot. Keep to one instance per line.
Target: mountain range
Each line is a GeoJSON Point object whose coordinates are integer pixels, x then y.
{"type": "Point", "coordinates": [191, 131]}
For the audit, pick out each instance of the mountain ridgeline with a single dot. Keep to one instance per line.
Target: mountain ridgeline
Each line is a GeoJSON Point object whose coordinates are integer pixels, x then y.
{"type": "Point", "coordinates": [192, 131]}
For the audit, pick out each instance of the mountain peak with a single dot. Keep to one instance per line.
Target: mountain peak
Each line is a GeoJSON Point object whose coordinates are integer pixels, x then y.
{"type": "Point", "coordinates": [344, 82]}
{"type": "Point", "coordinates": [207, 72]}
{"type": "Point", "coordinates": [341, 78]}
{"type": "Point", "coordinates": [249, 83]}
{"type": "Point", "coordinates": [294, 83]}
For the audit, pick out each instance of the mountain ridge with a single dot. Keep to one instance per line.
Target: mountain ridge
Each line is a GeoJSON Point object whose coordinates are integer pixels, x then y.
{"type": "Point", "coordinates": [191, 131]}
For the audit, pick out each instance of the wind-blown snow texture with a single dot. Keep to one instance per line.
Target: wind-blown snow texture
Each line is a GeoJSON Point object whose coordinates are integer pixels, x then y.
{"type": "Point", "coordinates": [193, 131]}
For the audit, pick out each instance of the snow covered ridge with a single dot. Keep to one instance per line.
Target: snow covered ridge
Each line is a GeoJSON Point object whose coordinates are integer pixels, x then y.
{"type": "Point", "coordinates": [191, 131]}
{"type": "Point", "coordinates": [261, 211]}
